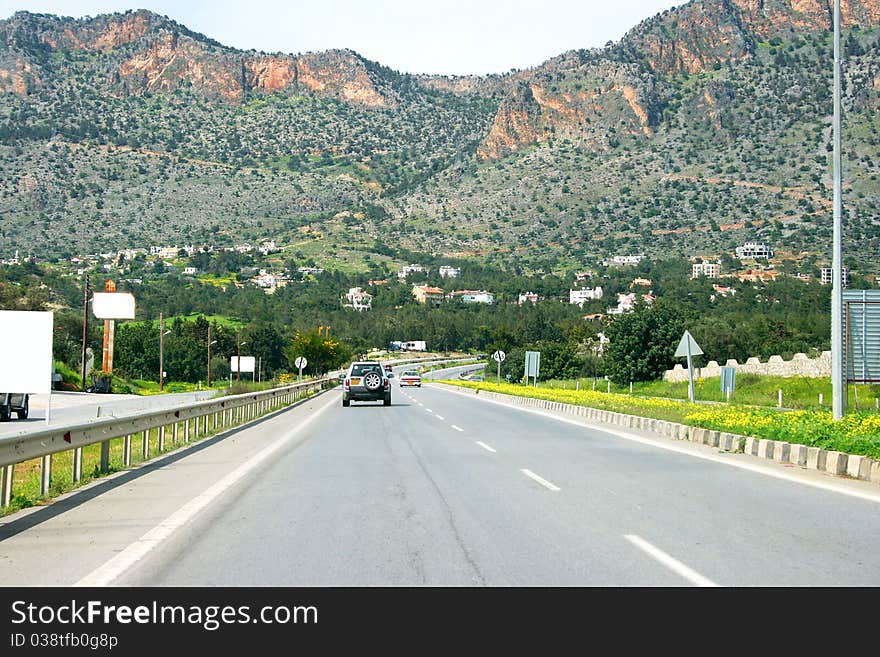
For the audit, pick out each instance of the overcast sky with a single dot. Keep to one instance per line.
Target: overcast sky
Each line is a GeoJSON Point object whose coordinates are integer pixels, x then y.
{"type": "Point", "coordinates": [454, 37]}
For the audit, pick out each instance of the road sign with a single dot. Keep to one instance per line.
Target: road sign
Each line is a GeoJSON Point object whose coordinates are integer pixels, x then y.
{"type": "Point", "coordinates": [499, 357]}
{"type": "Point", "coordinates": [533, 365]}
{"type": "Point", "coordinates": [113, 305]}
{"type": "Point", "coordinates": [300, 362]}
{"type": "Point", "coordinates": [728, 381]}
{"type": "Point", "coordinates": [689, 347]}
{"type": "Point", "coordinates": [243, 364]}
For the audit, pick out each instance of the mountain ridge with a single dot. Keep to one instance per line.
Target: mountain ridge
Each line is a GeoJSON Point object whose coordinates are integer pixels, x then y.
{"type": "Point", "coordinates": [635, 133]}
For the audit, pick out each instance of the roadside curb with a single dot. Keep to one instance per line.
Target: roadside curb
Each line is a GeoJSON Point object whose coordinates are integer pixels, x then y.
{"type": "Point", "coordinates": [838, 464]}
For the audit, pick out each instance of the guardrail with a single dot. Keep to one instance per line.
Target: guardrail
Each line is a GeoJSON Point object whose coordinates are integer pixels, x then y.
{"type": "Point", "coordinates": [189, 419]}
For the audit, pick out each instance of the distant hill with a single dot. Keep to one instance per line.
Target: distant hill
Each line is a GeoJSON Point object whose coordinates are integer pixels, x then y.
{"type": "Point", "coordinates": [703, 127]}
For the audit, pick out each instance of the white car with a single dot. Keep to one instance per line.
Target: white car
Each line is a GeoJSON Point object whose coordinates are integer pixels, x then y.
{"type": "Point", "coordinates": [410, 378]}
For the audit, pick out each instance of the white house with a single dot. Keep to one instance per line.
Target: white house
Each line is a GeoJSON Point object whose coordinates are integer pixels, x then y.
{"type": "Point", "coordinates": [449, 272]}
{"type": "Point", "coordinates": [403, 272]}
{"type": "Point", "coordinates": [358, 299]}
{"type": "Point", "coordinates": [707, 269]}
{"type": "Point", "coordinates": [753, 250]}
{"type": "Point", "coordinates": [626, 259]}
{"type": "Point", "coordinates": [527, 296]}
{"type": "Point", "coordinates": [580, 296]}
{"type": "Point", "coordinates": [828, 276]}
{"type": "Point", "coordinates": [473, 296]}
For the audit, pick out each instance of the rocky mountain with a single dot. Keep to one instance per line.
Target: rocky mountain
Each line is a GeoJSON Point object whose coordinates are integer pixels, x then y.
{"type": "Point", "coordinates": [704, 126]}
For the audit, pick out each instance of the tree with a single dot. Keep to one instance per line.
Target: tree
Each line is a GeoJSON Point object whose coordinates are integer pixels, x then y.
{"type": "Point", "coordinates": [322, 353]}
{"type": "Point", "coordinates": [642, 342]}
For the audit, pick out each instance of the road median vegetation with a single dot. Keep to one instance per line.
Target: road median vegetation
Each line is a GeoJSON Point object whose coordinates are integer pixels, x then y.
{"type": "Point", "coordinates": [856, 433]}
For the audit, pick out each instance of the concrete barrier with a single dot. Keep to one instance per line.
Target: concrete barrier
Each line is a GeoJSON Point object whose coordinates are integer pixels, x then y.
{"type": "Point", "coordinates": [781, 450]}
{"type": "Point", "coordinates": [765, 448]}
{"type": "Point", "coordinates": [816, 458]}
{"type": "Point", "coordinates": [858, 467]}
{"type": "Point", "coordinates": [835, 462]}
{"type": "Point", "coordinates": [798, 455]}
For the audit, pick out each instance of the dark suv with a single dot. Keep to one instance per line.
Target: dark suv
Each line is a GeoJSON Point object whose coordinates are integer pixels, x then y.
{"type": "Point", "coordinates": [366, 381]}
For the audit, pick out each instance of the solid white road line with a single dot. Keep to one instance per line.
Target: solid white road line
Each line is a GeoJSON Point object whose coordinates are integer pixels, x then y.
{"type": "Point", "coordinates": [485, 446]}
{"type": "Point", "coordinates": [439, 417]}
{"type": "Point", "coordinates": [457, 428]}
{"type": "Point", "coordinates": [673, 564]}
{"type": "Point", "coordinates": [660, 443]}
{"type": "Point", "coordinates": [540, 480]}
{"type": "Point", "coordinates": [104, 575]}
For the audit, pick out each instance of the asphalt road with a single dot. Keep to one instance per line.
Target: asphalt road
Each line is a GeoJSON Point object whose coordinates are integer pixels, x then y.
{"type": "Point", "coordinates": [443, 488]}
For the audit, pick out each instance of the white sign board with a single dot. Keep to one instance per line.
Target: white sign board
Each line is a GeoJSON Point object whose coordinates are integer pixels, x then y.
{"type": "Point", "coordinates": [300, 362]}
{"type": "Point", "coordinates": [499, 356]}
{"type": "Point", "coordinates": [248, 364]}
{"type": "Point", "coordinates": [26, 363]}
{"type": "Point", "coordinates": [113, 305]}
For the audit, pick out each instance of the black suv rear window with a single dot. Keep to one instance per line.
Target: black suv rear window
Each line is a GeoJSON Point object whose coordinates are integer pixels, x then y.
{"type": "Point", "coordinates": [361, 370]}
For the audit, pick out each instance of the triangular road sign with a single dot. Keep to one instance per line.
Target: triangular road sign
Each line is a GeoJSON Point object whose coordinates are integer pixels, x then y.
{"type": "Point", "coordinates": [688, 339]}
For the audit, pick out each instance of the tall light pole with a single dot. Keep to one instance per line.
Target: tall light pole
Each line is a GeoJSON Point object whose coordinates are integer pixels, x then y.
{"type": "Point", "coordinates": [837, 374]}
{"type": "Point", "coordinates": [209, 354]}
{"type": "Point", "coordinates": [85, 326]}
{"type": "Point", "coordinates": [162, 334]}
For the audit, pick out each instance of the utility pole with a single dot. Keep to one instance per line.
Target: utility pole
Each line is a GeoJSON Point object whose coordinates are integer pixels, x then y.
{"type": "Point", "coordinates": [837, 373]}
{"type": "Point", "coordinates": [209, 355]}
{"type": "Point", "coordinates": [85, 327]}
{"type": "Point", "coordinates": [161, 352]}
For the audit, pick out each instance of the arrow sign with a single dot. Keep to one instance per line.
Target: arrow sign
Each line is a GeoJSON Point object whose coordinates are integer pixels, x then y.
{"type": "Point", "coordinates": [688, 346]}
{"type": "Point", "coordinates": [499, 356]}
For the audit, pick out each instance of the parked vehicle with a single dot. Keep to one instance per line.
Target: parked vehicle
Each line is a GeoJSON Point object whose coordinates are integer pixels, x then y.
{"type": "Point", "coordinates": [13, 402]}
{"type": "Point", "coordinates": [366, 381]}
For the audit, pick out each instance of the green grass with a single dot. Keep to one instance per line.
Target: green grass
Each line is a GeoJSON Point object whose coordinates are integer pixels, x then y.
{"type": "Point", "coordinates": [751, 390]}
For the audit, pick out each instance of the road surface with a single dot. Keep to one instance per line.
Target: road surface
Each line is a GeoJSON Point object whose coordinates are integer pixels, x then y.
{"type": "Point", "coordinates": [445, 489]}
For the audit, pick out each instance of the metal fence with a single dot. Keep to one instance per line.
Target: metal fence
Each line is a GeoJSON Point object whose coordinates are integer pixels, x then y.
{"type": "Point", "coordinates": [186, 422]}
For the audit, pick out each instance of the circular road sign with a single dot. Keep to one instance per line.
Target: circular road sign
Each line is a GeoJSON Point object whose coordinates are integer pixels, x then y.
{"type": "Point", "coordinates": [300, 362]}
{"type": "Point", "coordinates": [498, 356]}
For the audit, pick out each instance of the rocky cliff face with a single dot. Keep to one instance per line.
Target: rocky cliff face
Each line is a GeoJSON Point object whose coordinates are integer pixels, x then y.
{"type": "Point", "coordinates": [149, 53]}
{"type": "Point", "coordinates": [610, 90]}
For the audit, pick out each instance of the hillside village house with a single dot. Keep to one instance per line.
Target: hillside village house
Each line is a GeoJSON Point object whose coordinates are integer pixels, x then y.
{"type": "Point", "coordinates": [403, 272]}
{"type": "Point", "coordinates": [527, 296]}
{"type": "Point", "coordinates": [428, 294]}
{"type": "Point", "coordinates": [269, 281]}
{"type": "Point", "coordinates": [472, 296]}
{"type": "Point", "coordinates": [707, 269]}
{"type": "Point", "coordinates": [753, 250]}
{"type": "Point", "coordinates": [624, 260]}
{"type": "Point", "coordinates": [828, 276]}
{"type": "Point", "coordinates": [579, 297]}
{"type": "Point", "coordinates": [358, 299]}
{"type": "Point", "coordinates": [644, 282]}
{"type": "Point", "coordinates": [626, 302]}
{"type": "Point", "coordinates": [449, 272]}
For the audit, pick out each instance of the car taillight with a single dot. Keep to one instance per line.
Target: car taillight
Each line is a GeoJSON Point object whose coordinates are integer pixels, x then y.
{"type": "Point", "coordinates": [387, 383]}
{"type": "Point", "coordinates": [346, 385]}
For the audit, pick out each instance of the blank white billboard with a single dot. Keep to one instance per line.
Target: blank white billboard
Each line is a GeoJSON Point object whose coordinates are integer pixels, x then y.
{"type": "Point", "coordinates": [26, 364]}
{"type": "Point", "coordinates": [248, 364]}
{"type": "Point", "coordinates": [113, 305]}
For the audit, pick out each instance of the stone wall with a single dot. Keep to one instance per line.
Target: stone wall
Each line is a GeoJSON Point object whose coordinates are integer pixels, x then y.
{"type": "Point", "coordinates": [799, 365]}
